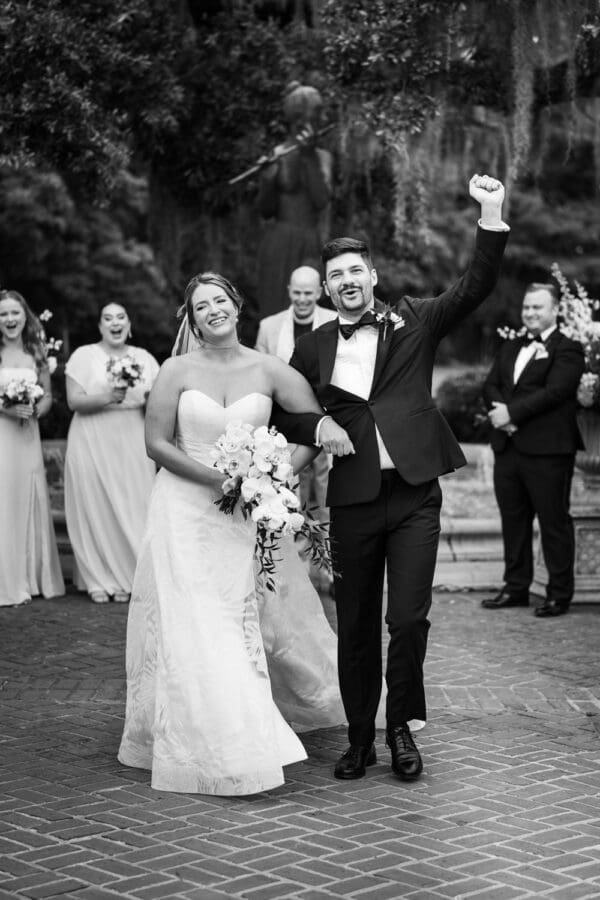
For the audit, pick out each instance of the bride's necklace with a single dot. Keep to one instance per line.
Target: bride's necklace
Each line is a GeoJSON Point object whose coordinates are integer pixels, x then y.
{"type": "Point", "coordinates": [204, 345]}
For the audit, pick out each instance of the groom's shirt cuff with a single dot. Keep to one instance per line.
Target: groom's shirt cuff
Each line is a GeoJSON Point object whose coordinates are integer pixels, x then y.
{"type": "Point", "coordinates": [318, 430]}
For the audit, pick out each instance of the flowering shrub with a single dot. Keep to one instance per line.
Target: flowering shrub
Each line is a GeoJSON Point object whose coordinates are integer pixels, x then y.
{"type": "Point", "coordinates": [260, 479]}
{"type": "Point", "coordinates": [576, 312]}
{"type": "Point", "coordinates": [52, 345]}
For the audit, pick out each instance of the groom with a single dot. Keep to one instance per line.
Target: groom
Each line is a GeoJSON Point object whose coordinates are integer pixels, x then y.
{"type": "Point", "coordinates": [371, 372]}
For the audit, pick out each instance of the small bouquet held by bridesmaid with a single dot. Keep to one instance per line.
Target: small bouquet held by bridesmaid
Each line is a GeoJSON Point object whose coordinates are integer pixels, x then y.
{"type": "Point", "coordinates": [260, 479]}
{"type": "Point", "coordinates": [124, 371]}
{"type": "Point", "coordinates": [21, 391]}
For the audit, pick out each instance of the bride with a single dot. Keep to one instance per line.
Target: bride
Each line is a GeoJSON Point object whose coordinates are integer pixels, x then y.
{"type": "Point", "coordinates": [200, 711]}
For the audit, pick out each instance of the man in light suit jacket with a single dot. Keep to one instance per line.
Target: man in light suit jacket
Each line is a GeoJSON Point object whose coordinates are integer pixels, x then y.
{"type": "Point", "coordinates": [278, 334]}
{"type": "Point", "coordinates": [372, 372]}
{"type": "Point", "coordinates": [531, 396]}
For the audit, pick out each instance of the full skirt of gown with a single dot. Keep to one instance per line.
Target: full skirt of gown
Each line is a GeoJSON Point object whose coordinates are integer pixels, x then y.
{"type": "Point", "coordinates": [29, 562]}
{"type": "Point", "coordinates": [200, 712]}
{"type": "Point", "coordinates": [300, 645]}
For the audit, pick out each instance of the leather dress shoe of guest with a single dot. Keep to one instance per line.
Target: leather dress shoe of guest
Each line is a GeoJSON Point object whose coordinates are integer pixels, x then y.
{"type": "Point", "coordinates": [549, 608]}
{"type": "Point", "coordinates": [406, 759]}
{"type": "Point", "coordinates": [504, 599]}
{"type": "Point", "coordinates": [353, 762]}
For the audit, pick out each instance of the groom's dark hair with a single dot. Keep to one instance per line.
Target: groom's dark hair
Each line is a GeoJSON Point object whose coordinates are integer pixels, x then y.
{"type": "Point", "coordinates": [345, 245]}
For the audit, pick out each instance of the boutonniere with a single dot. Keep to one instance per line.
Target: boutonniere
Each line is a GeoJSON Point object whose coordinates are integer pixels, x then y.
{"type": "Point", "coordinates": [540, 350]}
{"type": "Point", "coordinates": [388, 318]}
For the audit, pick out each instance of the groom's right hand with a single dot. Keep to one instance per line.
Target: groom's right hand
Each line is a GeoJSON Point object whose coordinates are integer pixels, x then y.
{"type": "Point", "coordinates": [333, 438]}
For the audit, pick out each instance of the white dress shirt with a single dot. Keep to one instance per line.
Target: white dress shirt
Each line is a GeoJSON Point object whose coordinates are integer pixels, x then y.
{"type": "Point", "coordinates": [354, 368]}
{"type": "Point", "coordinates": [527, 353]}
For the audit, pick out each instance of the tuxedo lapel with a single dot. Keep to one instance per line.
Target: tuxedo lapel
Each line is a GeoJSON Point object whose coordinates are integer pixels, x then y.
{"type": "Point", "coordinates": [383, 348]}
{"type": "Point", "coordinates": [511, 358]}
{"type": "Point", "coordinates": [327, 339]}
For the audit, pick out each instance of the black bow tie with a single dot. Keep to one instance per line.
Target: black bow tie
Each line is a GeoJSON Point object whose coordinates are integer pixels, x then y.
{"type": "Point", "coordinates": [348, 330]}
{"type": "Point", "coordinates": [530, 338]}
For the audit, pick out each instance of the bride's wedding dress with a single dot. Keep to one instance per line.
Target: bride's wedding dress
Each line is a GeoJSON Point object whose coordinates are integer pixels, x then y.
{"type": "Point", "coordinates": [200, 711]}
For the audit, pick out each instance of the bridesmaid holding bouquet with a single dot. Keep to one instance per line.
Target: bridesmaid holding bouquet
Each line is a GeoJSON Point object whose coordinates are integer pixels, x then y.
{"type": "Point", "coordinates": [108, 476]}
{"type": "Point", "coordinates": [29, 563]}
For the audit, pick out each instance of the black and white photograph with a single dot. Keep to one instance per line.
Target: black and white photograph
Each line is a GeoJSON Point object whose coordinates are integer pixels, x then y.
{"type": "Point", "coordinates": [300, 449]}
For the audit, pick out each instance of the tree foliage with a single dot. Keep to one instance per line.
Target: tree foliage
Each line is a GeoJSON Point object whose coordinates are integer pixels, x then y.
{"type": "Point", "coordinates": [73, 259]}
{"type": "Point", "coordinates": [87, 85]}
{"type": "Point", "coordinates": [151, 105]}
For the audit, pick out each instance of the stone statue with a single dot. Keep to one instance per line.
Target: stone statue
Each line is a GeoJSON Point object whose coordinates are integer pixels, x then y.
{"type": "Point", "coordinates": [294, 194]}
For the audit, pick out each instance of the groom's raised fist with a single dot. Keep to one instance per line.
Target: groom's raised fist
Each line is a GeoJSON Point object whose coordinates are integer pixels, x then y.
{"type": "Point", "coordinates": [489, 192]}
{"type": "Point", "coordinates": [486, 189]}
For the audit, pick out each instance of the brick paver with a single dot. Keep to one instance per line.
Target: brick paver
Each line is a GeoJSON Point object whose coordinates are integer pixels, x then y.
{"type": "Point", "coordinates": [508, 807]}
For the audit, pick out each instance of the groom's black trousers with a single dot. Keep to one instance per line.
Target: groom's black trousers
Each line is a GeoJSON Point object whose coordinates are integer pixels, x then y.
{"type": "Point", "coordinates": [400, 528]}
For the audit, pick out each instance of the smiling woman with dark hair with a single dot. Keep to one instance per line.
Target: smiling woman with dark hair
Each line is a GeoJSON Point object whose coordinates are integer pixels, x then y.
{"type": "Point", "coordinates": [108, 477]}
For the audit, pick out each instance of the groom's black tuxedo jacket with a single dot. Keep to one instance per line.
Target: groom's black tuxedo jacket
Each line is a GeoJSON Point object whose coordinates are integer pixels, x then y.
{"type": "Point", "coordinates": [542, 404]}
{"type": "Point", "coordinates": [415, 433]}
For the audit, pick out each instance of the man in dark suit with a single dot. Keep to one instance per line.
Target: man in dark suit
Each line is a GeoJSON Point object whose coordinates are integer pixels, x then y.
{"type": "Point", "coordinates": [530, 393]}
{"type": "Point", "coordinates": [371, 372]}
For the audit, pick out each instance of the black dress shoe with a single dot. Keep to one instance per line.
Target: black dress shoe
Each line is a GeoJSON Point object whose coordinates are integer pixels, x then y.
{"type": "Point", "coordinates": [550, 608]}
{"type": "Point", "coordinates": [353, 762]}
{"type": "Point", "coordinates": [406, 759]}
{"type": "Point", "coordinates": [504, 599]}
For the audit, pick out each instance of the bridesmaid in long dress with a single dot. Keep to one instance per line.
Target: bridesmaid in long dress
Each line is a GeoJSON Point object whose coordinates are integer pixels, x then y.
{"type": "Point", "coordinates": [29, 563]}
{"type": "Point", "coordinates": [108, 476]}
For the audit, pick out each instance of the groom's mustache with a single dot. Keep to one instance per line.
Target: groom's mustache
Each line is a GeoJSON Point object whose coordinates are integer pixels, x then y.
{"type": "Point", "coordinates": [350, 287]}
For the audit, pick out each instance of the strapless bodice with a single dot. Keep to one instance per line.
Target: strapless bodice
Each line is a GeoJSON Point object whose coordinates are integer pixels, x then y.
{"type": "Point", "coordinates": [201, 420]}
{"type": "Point", "coordinates": [7, 373]}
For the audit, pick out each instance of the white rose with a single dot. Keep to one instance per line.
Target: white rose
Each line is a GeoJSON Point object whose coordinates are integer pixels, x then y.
{"type": "Point", "coordinates": [296, 521]}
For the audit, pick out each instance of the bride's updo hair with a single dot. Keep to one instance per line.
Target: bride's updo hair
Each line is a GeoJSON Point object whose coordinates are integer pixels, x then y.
{"type": "Point", "coordinates": [207, 278]}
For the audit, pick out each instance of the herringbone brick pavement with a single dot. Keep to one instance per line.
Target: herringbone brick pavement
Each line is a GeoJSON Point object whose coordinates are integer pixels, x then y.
{"type": "Point", "coordinates": [508, 807]}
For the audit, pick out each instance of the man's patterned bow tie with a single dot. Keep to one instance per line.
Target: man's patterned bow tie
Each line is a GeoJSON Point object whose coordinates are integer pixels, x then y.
{"type": "Point", "coordinates": [348, 330]}
{"type": "Point", "coordinates": [530, 338]}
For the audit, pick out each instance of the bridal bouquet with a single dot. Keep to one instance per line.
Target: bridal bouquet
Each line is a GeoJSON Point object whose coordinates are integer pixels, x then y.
{"type": "Point", "coordinates": [260, 479]}
{"type": "Point", "coordinates": [21, 390]}
{"type": "Point", "coordinates": [124, 371]}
